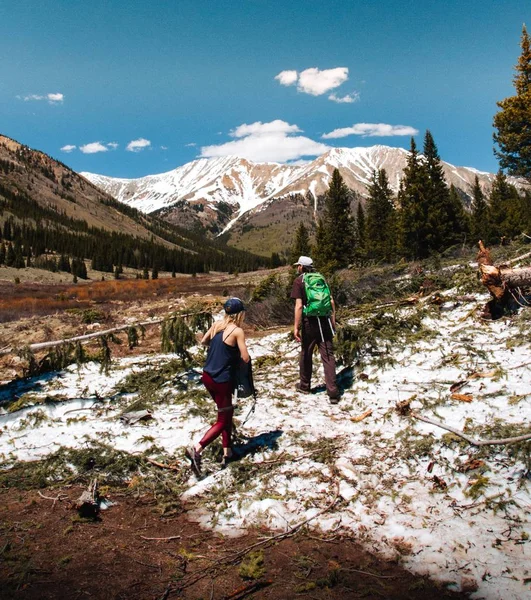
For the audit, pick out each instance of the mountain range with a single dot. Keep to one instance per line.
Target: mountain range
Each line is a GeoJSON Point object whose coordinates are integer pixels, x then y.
{"type": "Point", "coordinates": [51, 208]}
{"type": "Point", "coordinates": [217, 193]}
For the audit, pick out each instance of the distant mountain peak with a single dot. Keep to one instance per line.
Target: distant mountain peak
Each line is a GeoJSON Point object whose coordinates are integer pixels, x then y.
{"type": "Point", "coordinates": [217, 191]}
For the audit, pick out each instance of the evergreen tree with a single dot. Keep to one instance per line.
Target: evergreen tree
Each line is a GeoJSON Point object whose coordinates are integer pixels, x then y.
{"type": "Point", "coordinates": [275, 260]}
{"type": "Point", "coordinates": [10, 255]}
{"type": "Point", "coordinates": [525, 209]}
{"type": "Point", "coordinates": [64, 264]}
{"type": "Point", "coordinates": [413, 201]}
{"type": "Point", "coordinates": [155, 273]}
{"type": "Point", "coordinates": [336, 244]}
{"type": "Point", "coordinates": [301, 245]}
{"type": "Point", "coordinates": [381, 219]}
{"type": "Point", "coordinates": [504, 208]}
{"type": "Point", "coordinates": [438, 199]}
{"type": "Point", "coordinates": [2, 254]}
{"type": "Point", "coordinates": [480, 222]}
{"type": "Point", "coordinates": [361, 229]}
{"type": "Point", "coordinates": [19, 256]}
{"type": "Point", "coordinates": [513, 121]}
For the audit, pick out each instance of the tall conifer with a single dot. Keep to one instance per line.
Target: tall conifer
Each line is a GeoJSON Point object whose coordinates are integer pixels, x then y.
{"type": "Point", "coordinates": [301, 245]}
{"type": "Point", "coordinates": [413, 219]}
{"type": "Point", "coordinates": [504, 205]}
{"type": "Point", "coordinates": [335, 247]}
{"type": "Point", "coordinates": [480, 222]}
{"type": "Point", "coordinates": [513, 121]}
{"type": "Point", "coordinates": [381, 221]}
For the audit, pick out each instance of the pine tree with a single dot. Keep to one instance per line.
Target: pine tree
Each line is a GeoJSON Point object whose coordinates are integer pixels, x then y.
{"type": "Point", "coordinates": [10, 255]}
{"type": "Point", "coordinates": [381, 221]}
{"type": "Point", "coordinates": [413, 217]}
{"type": "Point", "coordinates": [513, 121]}
{"type": "Point", "coordinates": [2, 254]}
{"type": "Point", "coordinates": [480, 222]}
{"type": "Point", "coordinates": [504, 205]}
{"type": "Point", "coordinates": [301, 245]}
{"type": "Point", "coordinates": [335, 245]}
{"type": "Point", "coordinates": [361, 232]}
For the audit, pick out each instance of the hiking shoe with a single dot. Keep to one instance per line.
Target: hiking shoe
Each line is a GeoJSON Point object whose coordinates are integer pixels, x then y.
{"type": "Point", "coordinates": [195, 459]}
{"type": "Point", "coordinates": [301, 390]}
{"type": "Point", "coordinates": [226, 460]}
{"type": "Point", "coordinates": [334, 399]}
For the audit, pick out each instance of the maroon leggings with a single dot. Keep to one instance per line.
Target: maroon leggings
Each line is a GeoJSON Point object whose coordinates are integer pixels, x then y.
{"type": "Point", "coordinates": [222, 394]}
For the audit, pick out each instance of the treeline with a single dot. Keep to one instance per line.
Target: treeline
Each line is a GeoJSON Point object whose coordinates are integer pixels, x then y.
{"type": "Point", "coordinates": [32, 232]}
{"type": "Point", "coordinates": [426, 217]}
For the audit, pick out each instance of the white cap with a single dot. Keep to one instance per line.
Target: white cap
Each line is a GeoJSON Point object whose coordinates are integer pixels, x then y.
{"type": "Point", "coordinates": [304, 261]}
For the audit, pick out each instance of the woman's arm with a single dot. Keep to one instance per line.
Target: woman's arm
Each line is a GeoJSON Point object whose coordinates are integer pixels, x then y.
{"type": "Point", "coordinates": [240, 341]}
{"type": "Point", "coordinates": [205, 340]}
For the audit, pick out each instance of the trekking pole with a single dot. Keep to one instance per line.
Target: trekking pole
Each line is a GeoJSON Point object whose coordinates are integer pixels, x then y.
{"type": "Point", "coordinates": [251, 410]}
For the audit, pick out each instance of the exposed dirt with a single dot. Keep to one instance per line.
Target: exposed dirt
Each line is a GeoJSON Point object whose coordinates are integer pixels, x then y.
{"type": "Point", "coordinates": [47, 552]}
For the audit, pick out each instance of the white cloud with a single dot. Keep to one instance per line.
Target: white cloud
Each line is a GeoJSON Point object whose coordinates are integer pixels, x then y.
{"type": "Point", "coordinates": [347, 99]}
{"type": "Point", "coordinates": [371, 130]}
{"type": "Point", "coordinates": [53, 98]}
{"type": "Point", "coordinates": [112, 145]}
{"type": "Point", "coordinates": [266, 142]}
{"type": "Point", "coordinates": [313, 81]}
{"type": "Point", "coordinates": [138, 145]}
{"type": "Point", "coordinates": [56, 98]}
{"type": "Point", "coordinates": [93, 148]}
{"type": "Point", "coordinates": [287, 77]}
{"type": "Point", "coordinates": [68, 148]}
{"type": "Point", "coordinates": [164, 147]}
{"type": "Point", "coordinates": [274, 127]}
{"type": "Point", "coordinates": [190, 145]}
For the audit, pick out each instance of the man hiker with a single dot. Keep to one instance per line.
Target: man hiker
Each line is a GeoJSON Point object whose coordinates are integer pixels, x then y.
{"type": "Point", "coordinates": [314, 324]}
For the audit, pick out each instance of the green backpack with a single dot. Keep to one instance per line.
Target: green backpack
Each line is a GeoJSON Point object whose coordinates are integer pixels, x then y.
{"type": "Point", "coordinates": [318, 297]}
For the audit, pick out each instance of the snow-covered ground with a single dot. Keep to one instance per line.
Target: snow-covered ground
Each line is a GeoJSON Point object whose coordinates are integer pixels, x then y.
{"type": "Point", "coordinates": [405, 488]}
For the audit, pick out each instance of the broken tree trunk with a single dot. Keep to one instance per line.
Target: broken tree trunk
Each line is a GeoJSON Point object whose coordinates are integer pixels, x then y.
{"type": "Point", "coordinates": [88, 505]}
{"type": "Point", "coordinates": [506, 285]}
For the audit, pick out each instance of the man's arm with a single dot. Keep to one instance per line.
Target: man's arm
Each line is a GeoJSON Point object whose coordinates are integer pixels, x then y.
{"type": "Point", "coordinates": [297, 319]}
{"type": "Point", "coordinates": [333, 315]}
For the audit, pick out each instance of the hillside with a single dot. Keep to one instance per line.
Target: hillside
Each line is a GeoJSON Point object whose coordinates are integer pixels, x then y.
{"type": "Point", "coordinates": [50, 208]}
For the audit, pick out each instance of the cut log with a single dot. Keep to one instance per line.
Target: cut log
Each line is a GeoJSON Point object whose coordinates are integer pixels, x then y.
{"type": "Point", "coordinates": [508, 287]}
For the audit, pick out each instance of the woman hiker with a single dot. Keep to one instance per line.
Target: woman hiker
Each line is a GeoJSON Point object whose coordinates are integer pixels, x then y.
{"type": "Point", "coordinates": [226, 342]}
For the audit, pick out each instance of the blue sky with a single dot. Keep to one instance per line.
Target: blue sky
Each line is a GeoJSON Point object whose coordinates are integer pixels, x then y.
{"type": "Point", "coordinates": [133, 88]}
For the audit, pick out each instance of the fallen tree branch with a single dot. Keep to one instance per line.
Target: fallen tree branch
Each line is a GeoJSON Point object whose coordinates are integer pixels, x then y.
{"type": "Point", "coordinates": [470, 440]}
{"type": "Point", "coordinates": [172, 537]}
{"type": "Point", "coordinates": [245, 590]}
{"type": "Point", "coordinates": [196, 576]}
{"type": "Point", "coordinates": [90, 336]}
{"type": "Point", "coordinates": [163, 465]}
{"type": "Point", "coordinates": [518, 258]}
{"type": "Point", "coordinates": [57, 498]}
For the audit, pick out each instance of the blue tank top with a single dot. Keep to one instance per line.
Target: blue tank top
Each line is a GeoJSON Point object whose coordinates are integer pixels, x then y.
{"type": "Point", "coordinates": [222, 359]}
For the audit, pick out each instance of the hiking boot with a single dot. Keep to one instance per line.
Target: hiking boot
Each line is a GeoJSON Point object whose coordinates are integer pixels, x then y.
{"type": "Point", "coordinates": [334, 398]}
{"type": "Point", "coordinates": [226, 460]}
{"type": "Point", "coordinates": [301, 390]}
{"type": "Point", "coordinates": [195, 459]}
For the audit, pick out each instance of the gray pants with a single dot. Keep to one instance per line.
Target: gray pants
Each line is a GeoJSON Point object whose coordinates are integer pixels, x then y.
{"type": "Point", "coordinates": [311, 336]}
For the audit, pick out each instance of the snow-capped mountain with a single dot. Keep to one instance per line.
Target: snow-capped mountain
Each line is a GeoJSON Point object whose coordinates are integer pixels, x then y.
{"type": "Point", "coordinates": [217, 192]}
